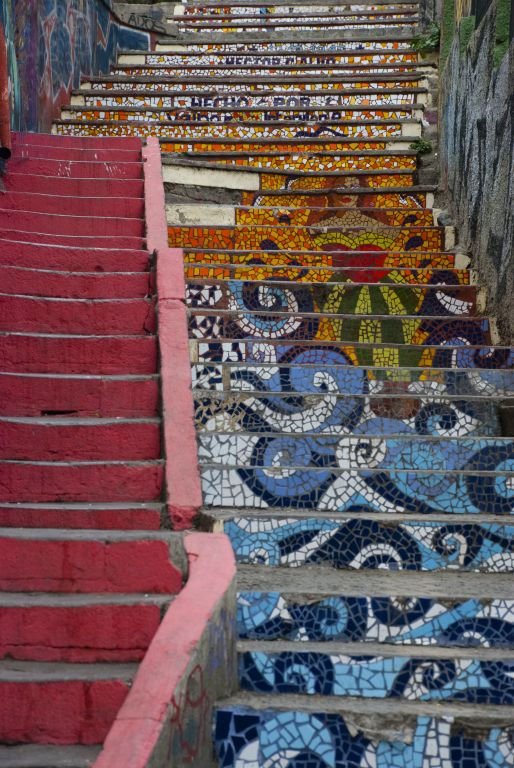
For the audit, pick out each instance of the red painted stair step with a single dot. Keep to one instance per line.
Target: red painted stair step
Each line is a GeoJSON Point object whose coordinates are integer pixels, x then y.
{"type": "Point", "coordinates": [31, 221]}
{"type": "Point", "coordinates": [83, 241]}
{"type": "Point", "coordinates": [63, 439]}
{"type": "Point", "coordinates": [60, 703]}
{"type": "Point", "coordinates": [81, 142]}
{"type": "Point", "coordinates": [91, 316]}
{"type": "Point", "coordinates": [73, 206]}
{"type": "Point", "coordinates": [60, 284]}
{"type": "Point", "coordinates": [24, 182]}
{"type": "Point", "coordinates": [73, 259]}
{"type": "Point", "coordinates": [43, 152]}
{"type": "Point", "coordinates": [78, 354]}
{"type": "Point", "coordinates": [75, 561]}
{"type": "Point", "coordinates": [80, 481]}
{"type": "Point", "coordinates": [32, 395]}
{"type": "Point", "coordinates": [86, 516]}
{"type": "Point", "coordinates": [78, 628]}
{"type": "Point", "coordinates": [74, 169]}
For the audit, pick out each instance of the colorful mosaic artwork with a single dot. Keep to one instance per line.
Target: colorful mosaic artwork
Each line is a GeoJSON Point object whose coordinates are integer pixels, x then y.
{"type": "Point", "coordinates": [348, 399]}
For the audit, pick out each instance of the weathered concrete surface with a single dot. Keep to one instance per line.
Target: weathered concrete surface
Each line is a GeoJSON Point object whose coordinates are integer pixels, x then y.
{"type": "Point", "coordinates": [477, 163]}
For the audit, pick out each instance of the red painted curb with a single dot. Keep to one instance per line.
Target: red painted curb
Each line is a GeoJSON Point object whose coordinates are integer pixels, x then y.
{"type": "Point", "coordinates": [184, 496]}
{"type": "Point", "coordinates": [153, 724]}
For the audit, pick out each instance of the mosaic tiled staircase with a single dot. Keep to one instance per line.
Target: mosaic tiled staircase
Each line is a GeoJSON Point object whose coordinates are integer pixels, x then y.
{"type": "Point", "coordinates": [347, 389]}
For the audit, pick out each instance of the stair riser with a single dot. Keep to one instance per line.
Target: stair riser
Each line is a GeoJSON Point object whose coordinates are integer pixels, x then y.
{"type": "Point", "coordinates": [397, 620]}
{"type": "Point", "coordinates": [403, 677]}
{"type": "Point", "coordinates": [266, 83]}
{"type": "Point", "coordinates": [82, 241]}
{"type": "Point", "coordinates": [71, 259]}
{"type": "Point", "coordinates": [36, 396]}
{"type": "Point", "coordinates": [31, 221]}
{"type": "Point", "coordinates": [72, 286]}
{"type": "Point", "coordinates": [75, 170]}
{"type": "Point", "coordinates": [114, 442]}
{"type": "Point", "coordinates": [307, 378]}
{"type": "Point", "coordinates": [93, 143]}
{"type": "Point", "coordinates": [50, 483]}
{"type": "Point", "coordinates": [73, 206]}
{"type": "Point", "coordinates": [245, 114]}
{"type": "Point", "coordinates": [335, 415]}
{"type": "Point", "coordinates": [388, 740]}
{"type": "Point", "coordinates": [102, 566]}
{"type": "Point", "coordinates": [110, 356]}
{"type": "Point", "coordinates": [263, 49]}
{"type": "Point", "coordinates": [126, 518]}
{"type": "Point", "coordinates": [24, 152]}
{"type": "Point", "coordinates": [62, 712]}
{"type": "Point", "coordinates": [86, 187]}
{"type": "Point", "coordinates": [92, 633]}
{"type": "Point", "coordinates": [282, 297]}
{"type": "Point", "coordinates": [35, 315]}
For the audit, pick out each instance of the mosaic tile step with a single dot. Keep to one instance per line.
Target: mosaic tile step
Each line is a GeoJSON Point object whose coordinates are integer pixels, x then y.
{"type": "Point", "coordinates": [443, 350]}
{"type": "Point", "coordinates": [371, 264]}
{"type": "Point", "coordinates": [383, 542]}
{"type": "Point", "coordinates": [335, 298]}
{"type": "Point", "coordinates": [234, 84]}
{"type": "Point", "coordinates": [244, 113]}
{"type": "Point", "coordinates": [295, 9]}
{"type": "Point", "coordinates": [203, 98]}
{"type": "Point", "coordinates": [258, 269]}
{"type": "Point", "coordinates": [270, 146]}
{"type": "Point", "coordinates": [362, 43]}
{"type": "Point", "coordinates": [477, 676]}
{"type": "Point", "coordinates": [369, 236]}
{"type": "Point", "coordinates": [316, 373]}
{"type": "Point", "coordinates": [256, 733]}
{"type": "Point", "coordinates": [187, 128]}
{"type": "Point", "coordinates": [191, 28]}
{"type": "Point", "coordinates": [337, 413]}
{"type": "Point", "coordinates": [336, 216]}
{"type": "Point", "coordinates": [375, 444]}
{"type": "Point", "coordinates": [269, 326]}
{"type": "Point", "coordinates": [329, 162]}
{"type": "Point", "coordinates": [346, 195]}
{"type": "Point", "coordinates": [400, 608]}
{"type": "Point", "coordinates": [276, 68]}
{"type": "Point", "coordinates": [271, 19]}
{"type": "Point", "coordinates": [332, 488]}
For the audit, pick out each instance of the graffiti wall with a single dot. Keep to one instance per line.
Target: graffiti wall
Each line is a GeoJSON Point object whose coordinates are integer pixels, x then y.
{"type": "Point", "coordinates": [51, 44]}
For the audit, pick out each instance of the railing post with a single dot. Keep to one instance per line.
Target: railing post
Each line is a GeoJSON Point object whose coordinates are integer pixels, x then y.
{"type": "Point", "coordinates": [5, 112]}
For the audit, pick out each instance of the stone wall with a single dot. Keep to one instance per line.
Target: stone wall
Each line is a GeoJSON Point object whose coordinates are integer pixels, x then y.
{"type": "Point", "coordinates": [50, 45]}
{"type": "Point", "coordinates": [477, 165]}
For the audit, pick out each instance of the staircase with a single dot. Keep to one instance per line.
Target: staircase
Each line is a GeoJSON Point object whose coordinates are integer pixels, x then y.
{"type": "Point", "coordinates": [86, 571]}
{"type": "Point", "coordinates": [348, 389]}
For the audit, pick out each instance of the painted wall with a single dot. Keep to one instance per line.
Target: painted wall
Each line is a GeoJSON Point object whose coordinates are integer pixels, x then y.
{"type": "Point", "coordinates": [477, 163]}
{"type": "Point", "coordinates": [50, 45]}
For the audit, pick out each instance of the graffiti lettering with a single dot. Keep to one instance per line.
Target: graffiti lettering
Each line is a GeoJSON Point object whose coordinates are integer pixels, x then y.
{"type": "Point", "coordinates": [143, 21]}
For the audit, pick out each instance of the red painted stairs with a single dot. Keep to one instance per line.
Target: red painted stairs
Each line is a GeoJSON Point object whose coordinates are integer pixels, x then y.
{"type": "Point", "coordinates": [86, 569]}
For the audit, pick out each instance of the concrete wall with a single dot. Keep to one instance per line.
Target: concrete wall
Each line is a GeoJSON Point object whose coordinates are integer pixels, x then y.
{"type": "Point", "coordinates": [477, 165]}
{"type": "Point", "coordinates": [50, 45]}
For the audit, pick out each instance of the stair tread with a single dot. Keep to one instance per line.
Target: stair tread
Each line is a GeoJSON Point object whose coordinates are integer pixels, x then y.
{"type": "Point", "coordinates": [46, 671]}
{"type": "Point", "coordinates": [48, 756]}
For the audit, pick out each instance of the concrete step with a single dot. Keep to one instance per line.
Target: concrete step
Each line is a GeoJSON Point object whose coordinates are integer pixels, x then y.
{"type": "Point", "coordinates": [62, 438]}
{"type": "Point", "coordinates": [376, 671]}
{"type": "Point", "coordinates": [48, 756]}
{"type": "Point", "coordinates": [336, 412]}
{"type": "Point", "coordinates": [78, 396]}
{"type": "Point", "coordinates": [50, 482]}
{"type": "Point", "coordinates": [66, 224]}
{"type": "Point", "coordinates": [263, 728]}
{"type": "Point", "coordinates": [125, 208]}
{"type": "Point", "coordinates": [315, 374]}
{"type": "Point", "coordinates": [72, 354]}
{"type": "Point", "coordinates": [79, 628]}
{"type": "Point", "coordinates": [96, 317]}
{"type": "Point", "coordinates": [67, 561]}
{"type": "Point", "coordinates": [141, 516]}
{"type": "Point", "coordinates": [49, 283]}
{"type": "Point", "coordinates": [61, 703]}
{"type": "Point", "coordinates": [358, 300]}
{"type": "Point", "coordinates": [73, 259]}
{"type": "Point", "coordinates": [403, 608]}
{"type": "Point", "coordinates": [370, 538]}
